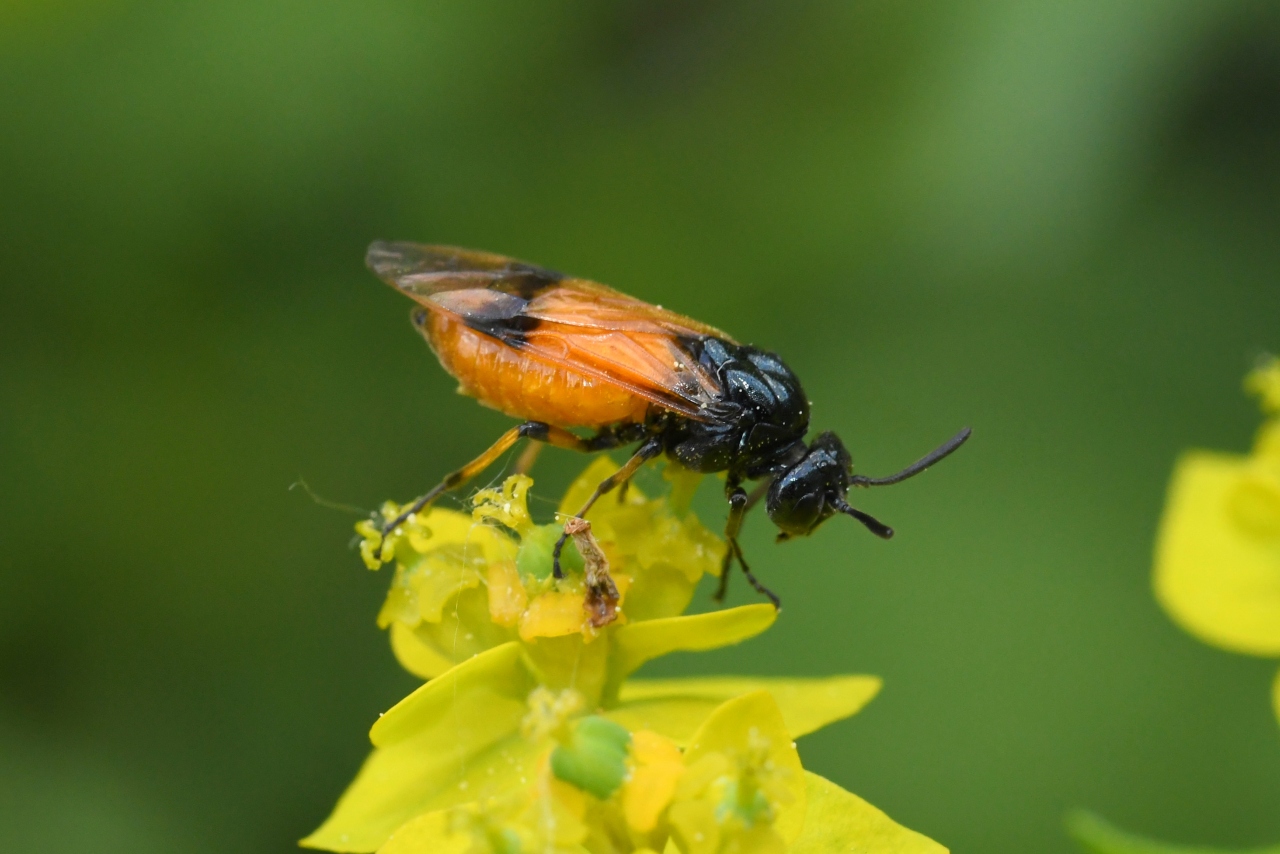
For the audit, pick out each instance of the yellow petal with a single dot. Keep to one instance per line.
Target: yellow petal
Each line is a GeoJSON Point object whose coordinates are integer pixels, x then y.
{"type": "Point", "coordinates": [585, 484]}
{"type": "Point", "coordinates": [435, 563]}
{"type": "Point", "coordinates": [695, 823]}
{"type": "Point", "coordinates": [554, 614]}
{"type": "Point", "coordinates": [416, 776]}
{"type": "Point", "coordinates": [1217, 569]}
{"type": "Point", "coordinates": [676, 707]}
{"type": "Point", "coordinates": [507, 596]}
{"type": "Point", "coordinates": [660, 590]}
{"type": "Point", "coordinates": [1264, 381]}
{"type": "Point", "coordinates": [464, 628]}
{"type": "Point", "coordinates": [742, 721]}
{"type": "Point", "coordinates": [839, 821]}
{"type": "Point", "coordinates": [439, 527]}
{"type": "Point", "coordinates": [497, 677]}
{"type": "Point", "coordinates": [453, 740]}
{"type": "Point", "coordinates": [760, 839]}
{"type": "Point", "coordinates": [658, 767]}
{"type": "Point", "coordinates": [418, 658]}
{"type": "Point", "coordinates": [430, 832]}
{"type": "Point", "coordinates": [1266, 444]}
{"type": "Point", "coordinates": [684, 483]}
{"type": "Point", "coordinates": [570, 661]}
{"type": "Point", "coordinates": [439, 577]}
{"type": "Point", "coordinates": [638, 642]}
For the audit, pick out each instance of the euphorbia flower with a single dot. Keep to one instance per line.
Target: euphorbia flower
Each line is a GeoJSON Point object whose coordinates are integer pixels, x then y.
{"type": "Point", "coordinates": [738, 789]}
{"type": "Point", "coordinates": [531, 736]}
{"type": "Point", "coordinates": [465, 583]}
{"type": "Point", "coordinates": [1217, 568]}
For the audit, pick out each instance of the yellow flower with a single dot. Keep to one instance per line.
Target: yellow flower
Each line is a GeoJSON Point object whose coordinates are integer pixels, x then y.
{"type": "Point", "coordinates": [466, 583]}
{"type": "Point", "coordinates": [743, 787]}
{"type": "Point", "coordinates": [738, 789]}
{"type": "Point", "coordinates": [1217, 566]}
{"type": "Point", "coordinates": [841, 821]}
{"type": "Point", "coordinates": [530, 735]}
{"type": "Point", "coordinates": [657, 766]}
{"type": "Point", "coordinates": [545, 817]}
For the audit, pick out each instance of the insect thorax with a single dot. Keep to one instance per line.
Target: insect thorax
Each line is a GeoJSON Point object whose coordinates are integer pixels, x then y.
{"type": "Point", "coordinates": [758, 422]}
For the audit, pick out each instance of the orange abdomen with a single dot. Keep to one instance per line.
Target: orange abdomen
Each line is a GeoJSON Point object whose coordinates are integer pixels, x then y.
{"type": "Point", "coordinates": [525, 387]}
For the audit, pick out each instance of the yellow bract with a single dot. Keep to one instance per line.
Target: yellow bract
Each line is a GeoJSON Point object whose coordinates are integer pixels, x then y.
{"type": "Point", "coordinates": [657, 769]}
{"type": "Point", "coordinates": [1217, 565]}
{"type": "Point", "coordinates": [743, 788]}
{"type": "Point", "coordinates": [836, 816]}
{"type": "Point", "coordinates": [1218, 554]}
{"type": "Point", "coordinates": [529, 736]}
{"type": "Point", "coordinates": [674, 706]}
{"type": "Point", "coordinates": [465, 583]}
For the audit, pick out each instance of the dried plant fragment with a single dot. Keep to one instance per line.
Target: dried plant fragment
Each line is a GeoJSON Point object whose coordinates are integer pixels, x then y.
{"type": "Point", "coordinates": [601, 603]}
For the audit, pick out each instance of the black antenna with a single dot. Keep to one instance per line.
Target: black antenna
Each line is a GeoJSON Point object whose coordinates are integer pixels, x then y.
{"type": "Point", "coordinates": [874, 525]}
{"type": "Point", "coordinates": [912, 470]}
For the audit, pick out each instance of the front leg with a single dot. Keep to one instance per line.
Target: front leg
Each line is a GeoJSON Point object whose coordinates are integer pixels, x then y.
{"type": "Point", "coordinates": [737, 512]}
{"type": "Point", "coordinates": [739, 504]}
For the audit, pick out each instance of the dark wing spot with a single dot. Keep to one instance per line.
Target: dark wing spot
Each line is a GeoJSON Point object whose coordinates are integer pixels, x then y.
{"type": "Point", "coordinates": [527, 281]}
{"type": "Point", "coordinates": [501, 316]}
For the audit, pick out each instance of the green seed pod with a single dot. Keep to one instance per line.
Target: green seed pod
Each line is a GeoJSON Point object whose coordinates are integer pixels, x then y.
{"type": "Point", "coordinates": [595, 757]}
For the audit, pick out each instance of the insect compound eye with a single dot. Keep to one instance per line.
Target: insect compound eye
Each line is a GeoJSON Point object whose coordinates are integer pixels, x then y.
{"type": "Point", "coordinates": [796, 501]}
{"type": "Point", "coordinates": [804, 496]}
{"type": "Point", "coordinates": [794, 510]}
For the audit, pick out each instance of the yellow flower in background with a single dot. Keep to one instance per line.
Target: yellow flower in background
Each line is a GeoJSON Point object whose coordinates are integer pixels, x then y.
{"type": "Point", "coordinates": [1217, 571]}
{"type": "Point", "coordinates": [531, 736]}
{"type": "Point", "coordinates": [1217, 566]}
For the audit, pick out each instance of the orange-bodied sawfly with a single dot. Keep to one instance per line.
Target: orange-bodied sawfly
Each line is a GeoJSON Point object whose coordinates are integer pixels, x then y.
{"type": "Point", "coordinates": [560, 352]}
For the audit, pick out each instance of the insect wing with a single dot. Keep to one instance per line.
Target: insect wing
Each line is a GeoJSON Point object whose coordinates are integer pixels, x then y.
{"type": "Point", "coordinates": [574, 323]}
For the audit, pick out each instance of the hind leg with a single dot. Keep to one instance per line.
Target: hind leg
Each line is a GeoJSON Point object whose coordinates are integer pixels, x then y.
{"type": "Point", "coordinates": [536, 431]}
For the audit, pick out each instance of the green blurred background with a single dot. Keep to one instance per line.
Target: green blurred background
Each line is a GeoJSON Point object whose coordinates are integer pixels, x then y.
{"type": "Point", "coordinates": [1055, 222]}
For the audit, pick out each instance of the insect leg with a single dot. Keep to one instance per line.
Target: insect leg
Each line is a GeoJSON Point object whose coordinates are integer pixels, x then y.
{"type": "Point", "coordinates": [740, 503]}
{"type": "Point", "coordinates": [539, 437]}
{"type": "Point", "coordinates": [643, 454]}
{"type": "Point", "coordinates": [614, 437]}
{"type": "Point", "coordinates": [607, 438]}
{"type": "Point", "coordinates": [761, 490]}
{"type": "Point", "coordinates": [453, 480]}
{"type": "Point", "coordinates": [746, 570]}
{"type": "Point", "coordinates": [528, 456]}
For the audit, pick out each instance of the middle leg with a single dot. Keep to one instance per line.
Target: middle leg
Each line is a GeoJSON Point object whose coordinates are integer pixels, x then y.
{"type": "Point", "coordinates": [647, 451]}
